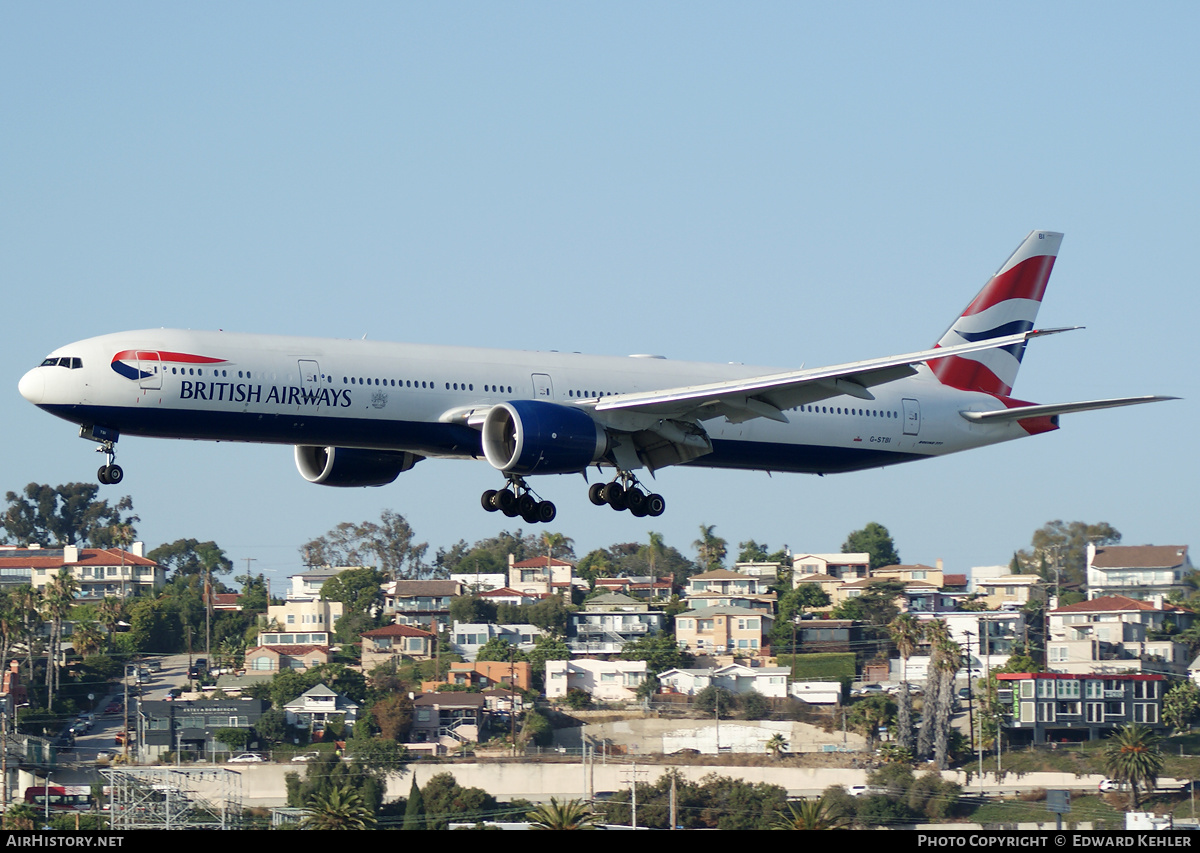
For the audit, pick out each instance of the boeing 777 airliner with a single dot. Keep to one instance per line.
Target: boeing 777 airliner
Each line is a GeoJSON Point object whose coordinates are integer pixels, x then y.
{"type": "Point", "coordinates": [360, 413]}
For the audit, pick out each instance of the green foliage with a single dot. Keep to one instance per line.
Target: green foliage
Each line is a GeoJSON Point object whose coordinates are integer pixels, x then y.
{"type": "Point", "coordinates": [357, 589]}
{"type": "Point", "coordinates": [569, 814]}
{"type": "Point", "coordinates": [654, 558]}
{"type": "Point", "coordinates": [472, 609]}
{"type": "Point", "coordinates": [660, 652]}
{"type": "Point", "coordinates": [499, 649]}
{"type": "Point", "coordinates": [546, 647]}
{"type": "Point", "coordinates": [1068, 544]}
{"type": "Point", "coordinates": [272, 726]}
{"type": "Point", "coordinates": [822, 666]}
{"type": "Point", "coordinates": [716, 700]}
{"type": "Point", "coordinates": [875, 540]}
{"type": "Point", "coordinates": [810, 815]}
{"type": "Point", "coordinates": [710, 549]}
{"type": "Point", "coordinates": [414, 809]}
{"type": "Point", "coordinates": [869, 714]}
{"type": "Point", "coordinates": [338, 807]}
{"type": "Point", "coordinates": [755, 552]}
{"type": "Point", "coordinates": [234, 739]}
{"type": "Point", "coordinates": [191, 557]}
{"type": "Point", "coordinates": [1132, 755]}
{"type": "Point", "coordinates": [793, 602]}
{"type": "Point", "coordinates": [446, 800]}
{"type": "Point", "coordinates": [755, 706]}
{"type": "Point", "coordinates": [66, 515]}
{"type": "Point", "coordinates": [715, 802]}
{"type": "Point", "coordinates": [327, 772]}
{"type": "Point", "coordinates": [578, 700]}
{"type": "Point", "coordinates": [537, 729]}
{"type": "Point", "coordinates": [876, 606]}
{"type": "Point", "coordinates": [1180, 705]}
{"type": "Point", "coordinates": [387, 546]}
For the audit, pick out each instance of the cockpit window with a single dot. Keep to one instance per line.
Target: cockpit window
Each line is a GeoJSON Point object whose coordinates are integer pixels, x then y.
{"type": "Point", "coordinates": [63, 361]}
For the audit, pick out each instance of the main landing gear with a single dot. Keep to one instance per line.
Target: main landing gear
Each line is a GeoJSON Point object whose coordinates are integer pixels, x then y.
{"type": "Point", "coordinates": [518, 499]}
{"type": "Point", "coordinates": [625, 493]}
{"type": "Point", "coordinates": [110, 473]}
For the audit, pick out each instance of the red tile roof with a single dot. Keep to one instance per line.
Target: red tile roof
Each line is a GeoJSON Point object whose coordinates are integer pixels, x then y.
{"type": "Point", "coordinates": [1111, 603]}
{"type": "Point", "coordinates": [397, 631]}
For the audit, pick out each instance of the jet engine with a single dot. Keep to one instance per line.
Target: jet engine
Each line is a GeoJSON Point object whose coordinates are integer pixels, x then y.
{"type": "Point", "coordinates": [535, 437]}
{"type": "Point", "coordinates": [346, 466]}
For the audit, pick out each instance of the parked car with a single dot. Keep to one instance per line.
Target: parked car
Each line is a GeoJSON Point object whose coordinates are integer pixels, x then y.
{"type": "Point", "coordinates": [247, 758]}
{"type": "Point", "coordinates": [1109, 786]}
{"type": "Point", "coordinates": [305, 757]}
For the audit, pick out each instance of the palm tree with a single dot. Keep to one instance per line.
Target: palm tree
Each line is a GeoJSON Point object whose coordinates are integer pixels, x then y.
{"type": "Point", "coordinates": [810, 814]}
{"type": "Point", "coordinates": [906, 633]}
{"type": "Point", "coordinates": [87, 639]}
{"type": "Point", "coordinates": [776, 745]}
{"type": "Point", "coordinates": [57, 599]}
{"type": "Point", "coordinates": [569, 814]}
{"type": "Point", "coordinates": [654, 551]}
{"type": "Point", "coordinates": [1132, 755]}
{"type": "Point", "coordinates": [949, 662]}
{"type": "Point", "coordinates": [337, 807]}
{"type": "Point", "coordinates": [938, 635]}
{"type": "Point", "coordinates": [710, 548]}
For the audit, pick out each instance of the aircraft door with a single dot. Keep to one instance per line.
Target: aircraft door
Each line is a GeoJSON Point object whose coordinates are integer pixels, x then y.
{"type": "Point", "coordinates": [310, 380]}
{"type": "Point", "coordinates": [149, 365]}
{"type": "Point", "coordinates": [912, 416]}
{"type": "Point", "coordinates": [543, 388]}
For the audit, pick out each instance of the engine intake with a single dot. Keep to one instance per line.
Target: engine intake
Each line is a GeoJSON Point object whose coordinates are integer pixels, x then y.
{"type": "Point", "coordinates": [347, 466]}
{"type": "Point", "coordinates": [535, 437]}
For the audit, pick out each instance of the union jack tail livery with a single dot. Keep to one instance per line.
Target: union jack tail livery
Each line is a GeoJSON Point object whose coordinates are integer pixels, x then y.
{"type": "Point", "coordinates": [1007, 305]}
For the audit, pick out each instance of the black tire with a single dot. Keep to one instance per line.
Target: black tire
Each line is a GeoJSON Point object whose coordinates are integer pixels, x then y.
{"type": "Point", "coordinates": [596, 494]}
{"type": "Point", "coordinates": [530, 517]}
{"type": "Point", "coordinates": [614, 492]}
{"type": "Point", "coordinates": [635, 499]}
{"type": "Point", "coordinates": [102, 475]}
{"type": "Point", "coordinates": [528, 504]}
{"type": "Point", "coordinates": [505, 500]}
{"type": "Point", "coordinates": [656, 505]}
{"type": "Point", "coordinates": [488, 499]}
{"type": "Point", "coordinates": [546, 512]}
{"type": "Point", "coordinates": [640, 512]}
{"type": "Point", "coordinates": [115, 474]}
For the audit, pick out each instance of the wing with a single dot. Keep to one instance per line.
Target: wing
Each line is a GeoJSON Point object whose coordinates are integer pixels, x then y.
{"type": "Point", "coordinates": [769, 396]}
{"type": "Point", "coordinates": [1018, 413]}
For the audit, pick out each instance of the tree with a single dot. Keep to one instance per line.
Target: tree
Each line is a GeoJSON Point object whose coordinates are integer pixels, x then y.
{"type": "Point", "coordinates": [1180, 705]}
{"type": "Point", "coordinates": [414, 809]}
{"type": "Point", "coordinates": [191, 557]}
{"type": "Point", "coordinates": [1132, 755]}
{"type": "Point", "coordinates": [660, 652]}
{"type": "Point", "coordinates": [569, 814]}
{"type": "Point", "coordinates": [906, 633]}
{"type": "Point", "coordinates": [869, 714]}
{"type": "Point", "coordinates": [472, 610]}
{"type": "Point", "coordinates": [875, 540]}
{"type": "Point", "coordinates": [445, 799]}
{"type": "Point", "coordinates": [710, 549]}
{"type": "Point", "coordinates": [1065, 544]}
{"type": "Point", "coordinates": [716, 700]}
{"type": "Point", "coordinates": [387, 546]}
{"type": "Point", "coordinates": [63, 515]}
{"type": "Point", "coordinates": [357, 589]}
{"type": "Point", "coordinates": [337, 807]}
{"type": "Point", "coordinates": [777, 745]}
{"type": "Point", "coordinates": [811, 814]}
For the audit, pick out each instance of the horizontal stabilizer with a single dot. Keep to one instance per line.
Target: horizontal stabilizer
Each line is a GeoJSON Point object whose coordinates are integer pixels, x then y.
{"type": "Point", "coordinates": [1021, 412]}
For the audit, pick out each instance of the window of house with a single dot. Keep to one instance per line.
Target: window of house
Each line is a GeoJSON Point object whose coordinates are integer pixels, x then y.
{"type": "Point", "coordinates": [1145, 712]}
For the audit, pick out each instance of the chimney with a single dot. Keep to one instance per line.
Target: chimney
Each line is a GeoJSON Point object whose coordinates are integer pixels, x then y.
{"type": "Point", "coordinates": [939, 564]}
{"type": "Point", "coordinates": [139, 549]}
{"type": "Point", "coordinates": [70, 553]}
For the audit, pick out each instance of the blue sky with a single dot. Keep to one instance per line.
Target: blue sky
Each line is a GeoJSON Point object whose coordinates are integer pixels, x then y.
{"type": "Point", "coordinates": [776, 184]}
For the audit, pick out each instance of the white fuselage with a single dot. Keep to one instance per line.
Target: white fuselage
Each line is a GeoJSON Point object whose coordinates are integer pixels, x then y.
{"type": "Point", "coordinates": [417, 398]}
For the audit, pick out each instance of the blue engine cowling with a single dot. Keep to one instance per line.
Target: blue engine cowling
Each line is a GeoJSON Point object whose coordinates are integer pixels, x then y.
{"type": "Point", "coordinates": [535, 437]}
{"type": "Point", "coordinates": [347, 466]}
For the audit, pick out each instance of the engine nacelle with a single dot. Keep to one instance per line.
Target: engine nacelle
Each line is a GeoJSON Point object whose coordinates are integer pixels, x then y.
{"type": "Point", "coordinates": [535, 437]}
{"type": "Point", "coordinates": [347, 466]}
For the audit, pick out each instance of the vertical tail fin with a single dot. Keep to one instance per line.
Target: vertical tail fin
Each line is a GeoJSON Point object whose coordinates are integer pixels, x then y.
{"type": "Point", "coordinates": [1007, 304]}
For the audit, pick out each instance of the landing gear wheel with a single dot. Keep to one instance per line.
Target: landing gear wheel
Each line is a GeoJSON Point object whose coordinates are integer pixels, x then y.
{"type": "Point", "coordinates": [635, 499]}
{"type": "Point", "coordinates": [102, 475]}
{"type": "Point", "coordinates": [530, 517]}
{"type": "Point", "coordinates": [115, 474]}
{"type": "Point", "coordinates": [546, 512]}
{"type": "Point", "coordinates": [506, 501]}
{"type": "Point", "coordinates": [528, 505]}
{"type": "Point", "coordinates": [655, 506]}
{"type": "Point", "coordinates": [614, 495]}
{"type": "Point", "coordinates": [596, 494]}
{"type": "Point", "coordinates": [488, 499]}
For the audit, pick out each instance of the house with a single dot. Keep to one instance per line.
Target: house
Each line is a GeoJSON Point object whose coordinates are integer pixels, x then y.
{"type": "Point", "coordinates": [829, 635]}
{"type": "Point", "coordinates": [273, 655]}
{"type": "Point", "coordinates": [722, 630]}
{"type": "Point", "coordinates": [736, 678]}
{"type": "Point", "coordinates": [1117, 634]}
{"type": "Point", "coordinates": [988, 638]}
{"type": "Point", "coordinates": [605, 680]}
{"type": "Point", "coordinates": [191, 725]}
{"type": "Point", "coordinates": [316, 706]}
{"type": "Point", "coordinates": [392, 642]}
{"type": "Point", "coordinates": [305, 614]}
{"type": "Point", "coordinates": [540, 576]}
{"type": "Point", "coordinates": [841, 566]}
{"type": "Point", "coordinates": [445, 720]}
{"type": "Point", "coordinates": [474, 582]}
{"type": "Point", "coordinates": [1137, 571]}
{"type": "Point", "coordinates": [723, 588]}
{"type": "Point", "coordinates": [609, 621]}
{"type": "Point", "coordinates": [468, 637]}
{"type": "Point", "coordinates": [507, 595]}
{"type": "Point", "coordinates": [306, 586]}
{"type": "Point", "coordinates": [1011, 592]}
{"type": "Point", "coordinates": [908, 573]}
{"type": "Point", "coordinates": [420, 602]}
{"type": "Point", "coordinates": [99, 572]}
{"type": "Point", "coordinates": [1043, 707]}
{"type": "Point", "coordinates": [817, 692]}
{"type": "Point", "coordinates": [485, 674]}
{"type": "Point", "coordinates": [639, 586]}
{"type": "Point", "coordinates": [227, 601]}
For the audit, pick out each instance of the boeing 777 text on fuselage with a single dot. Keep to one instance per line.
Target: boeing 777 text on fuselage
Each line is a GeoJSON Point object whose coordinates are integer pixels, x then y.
{"type": "Point", "coordinates": [360, 412]}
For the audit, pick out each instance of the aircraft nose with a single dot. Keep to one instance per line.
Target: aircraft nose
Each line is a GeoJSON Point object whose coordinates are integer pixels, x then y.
{"type": "Point", "coordinates": [33, 386]}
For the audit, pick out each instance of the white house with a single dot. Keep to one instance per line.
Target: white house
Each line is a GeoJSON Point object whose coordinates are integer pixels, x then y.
{"type": "Point", "coordinates": [606, 680]}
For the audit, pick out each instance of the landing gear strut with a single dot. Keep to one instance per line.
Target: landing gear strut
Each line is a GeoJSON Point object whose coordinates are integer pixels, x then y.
{"type": "Point", "coordinates": [625, 493]}
{"type": "Point", "coordinates": [518, 499]}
